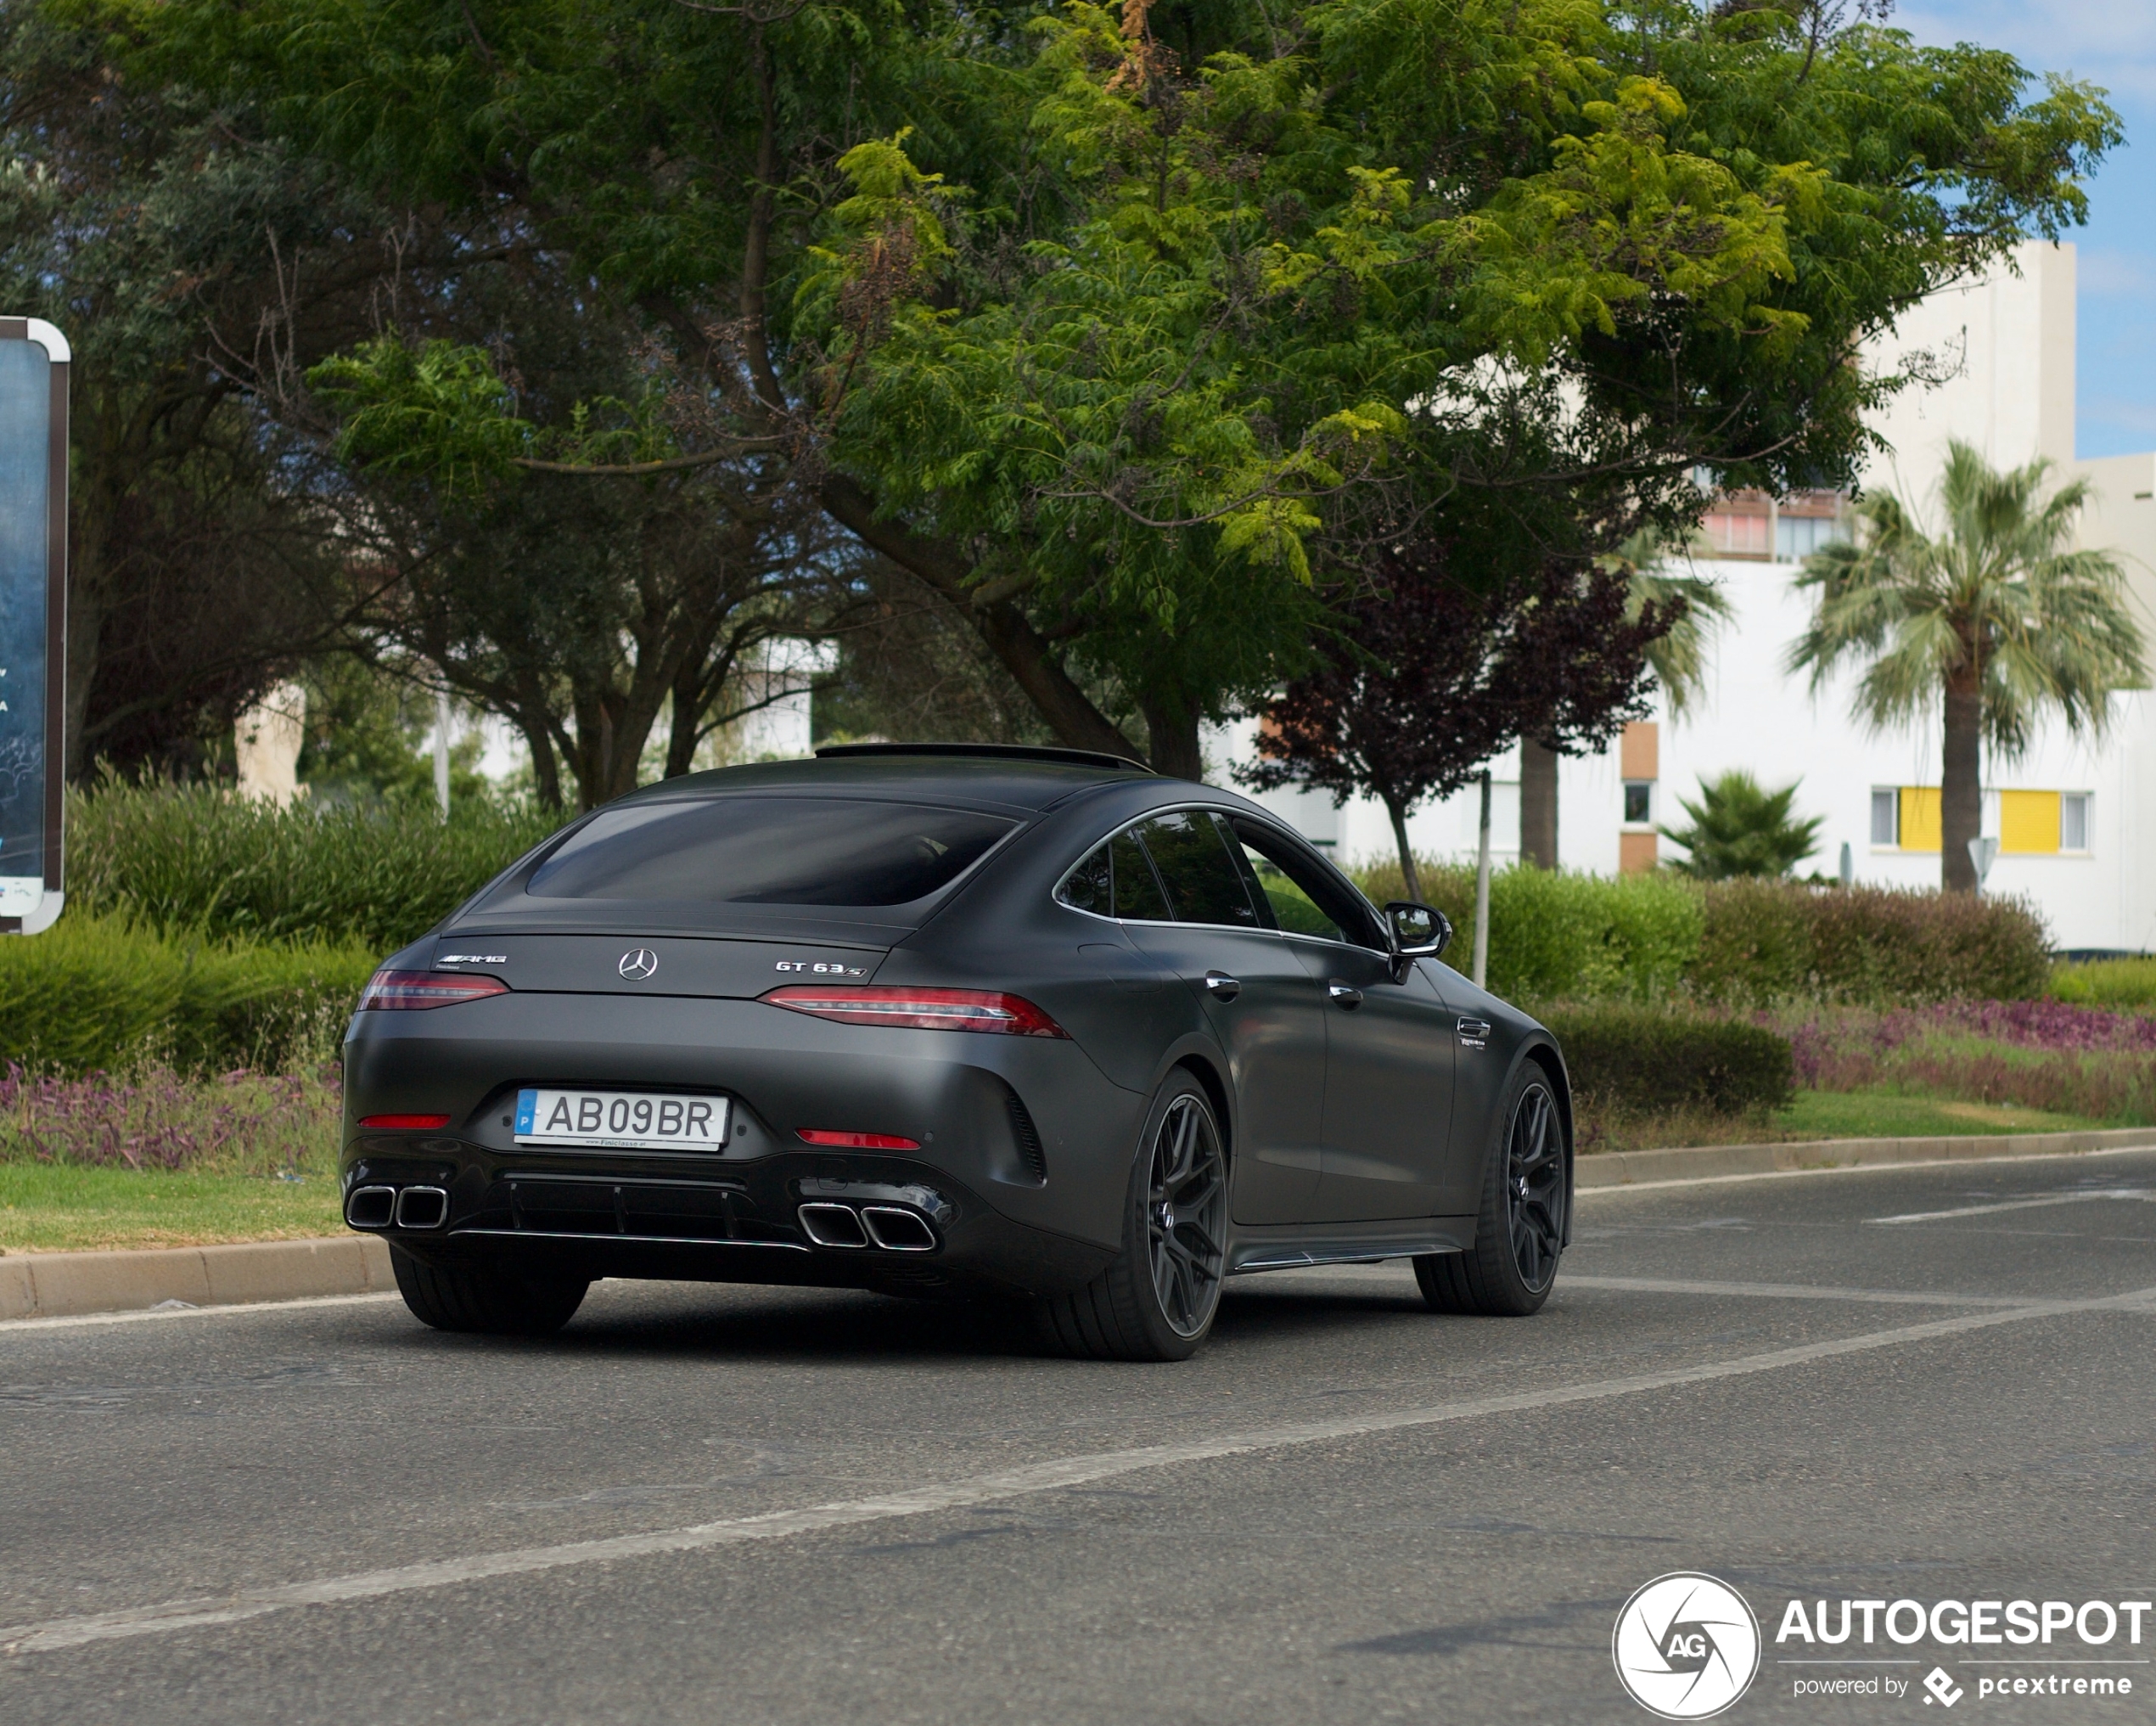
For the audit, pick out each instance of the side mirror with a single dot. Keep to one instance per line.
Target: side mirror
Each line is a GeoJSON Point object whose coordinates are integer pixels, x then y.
{"type": "Point", "coordinates": [1419, 931]}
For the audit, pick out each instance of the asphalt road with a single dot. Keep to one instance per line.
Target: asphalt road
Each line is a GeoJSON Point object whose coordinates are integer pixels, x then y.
{"type": "Point", "coordinates": [738, 1504]}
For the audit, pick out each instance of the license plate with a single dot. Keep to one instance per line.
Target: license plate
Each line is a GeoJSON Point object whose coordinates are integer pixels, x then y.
{"type": "Point", "coordinates": [621, 1120]}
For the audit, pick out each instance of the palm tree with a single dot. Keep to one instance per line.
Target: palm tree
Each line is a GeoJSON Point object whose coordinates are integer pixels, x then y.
{"type": "Point", "coordinates": [1739, 828]}
{"type": "Point", "coordinates": [1678, 661]}
{"type": "Point", "coordinates": [1996, 622]}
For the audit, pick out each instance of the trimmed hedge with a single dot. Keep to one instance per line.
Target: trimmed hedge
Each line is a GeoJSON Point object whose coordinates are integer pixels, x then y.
{"type": "Point", "coordinates": [94, 993]}
{"type": "Point", "coordinates": [192, 859]}
{"type": "Point", "coordinates": [1555, 936]}
{"type": "Point", "coordinates": [2105, 982]}
{"type": "Point", "coordinates": [1644, 1060]}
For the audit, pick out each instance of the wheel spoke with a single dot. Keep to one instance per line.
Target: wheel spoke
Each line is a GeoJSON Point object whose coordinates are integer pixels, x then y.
{"type": "Point", "coordinates": [1186, 1215]}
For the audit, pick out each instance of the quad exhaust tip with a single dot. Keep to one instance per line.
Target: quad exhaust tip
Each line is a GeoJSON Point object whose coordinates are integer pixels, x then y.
{"type": "Point", "coordinates": [883, 1225]}
{"type": "Point", "coordinates": [422, 1207]}
{"type": "Point", "coordinates": [407, 1207]}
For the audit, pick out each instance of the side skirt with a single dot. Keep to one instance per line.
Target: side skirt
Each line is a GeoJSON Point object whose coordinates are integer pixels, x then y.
{"type": "Point", "coordinates": [1272, 1249]}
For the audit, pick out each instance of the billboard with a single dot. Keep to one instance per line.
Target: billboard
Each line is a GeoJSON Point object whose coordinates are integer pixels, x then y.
{"type": "Point", "coordinates": [33, 621]}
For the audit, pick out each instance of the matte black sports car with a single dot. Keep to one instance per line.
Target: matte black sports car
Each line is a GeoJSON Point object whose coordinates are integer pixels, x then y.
{"type": "Point", "coordinates": [1031, 1023]}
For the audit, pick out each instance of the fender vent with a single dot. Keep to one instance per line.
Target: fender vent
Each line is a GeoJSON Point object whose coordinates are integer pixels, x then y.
{"type": "Point", "coordinates": [1029, 1140]}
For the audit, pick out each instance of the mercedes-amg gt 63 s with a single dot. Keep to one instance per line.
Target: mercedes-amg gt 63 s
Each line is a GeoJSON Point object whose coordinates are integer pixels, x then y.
{"type": "Point", "coordinates": [1028, 1024]}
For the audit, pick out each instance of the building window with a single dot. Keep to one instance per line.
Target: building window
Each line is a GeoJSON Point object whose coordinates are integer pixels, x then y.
{"type": "Point", "coordinates": [2031, 823]}
{"type": "Point", "coordinates": [1886, 817]}
{"type": "Point", "coordinates": [2074, 821]}
{"type": "Point", "coordinates": [1797, 536]}
{"type": "Point", "coordinates": [1639, 801]}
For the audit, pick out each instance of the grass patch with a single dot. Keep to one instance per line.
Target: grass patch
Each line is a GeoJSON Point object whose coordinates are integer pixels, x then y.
{"type": "Point", "coordinates": [1886, 1115]}
{"type": "Point", "coordinates": [59, 1207]}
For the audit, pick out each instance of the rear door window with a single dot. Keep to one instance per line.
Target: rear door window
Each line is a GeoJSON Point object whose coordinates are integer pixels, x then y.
{"type": "Point", "coordinates": [1203, 883]}
{"type": "Point", "coordinates": [1303, 897]}
{"type": "Point", "coordinates": [768, 850]}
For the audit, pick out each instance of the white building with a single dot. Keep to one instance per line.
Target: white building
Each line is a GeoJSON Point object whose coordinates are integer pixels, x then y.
{"type": "Point", "coordinates": [2074, 821]}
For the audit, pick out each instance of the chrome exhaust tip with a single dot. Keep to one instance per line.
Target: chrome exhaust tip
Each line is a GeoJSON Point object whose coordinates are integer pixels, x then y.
{"type": "Point", "coordinates": [832, 1225]}
{"type": "Point", "coordinates": [422, 1207]}
{"type": "Point", "coordinates": [370, 1207]}
{"type": "Point", "coordinates": [897, 1231]}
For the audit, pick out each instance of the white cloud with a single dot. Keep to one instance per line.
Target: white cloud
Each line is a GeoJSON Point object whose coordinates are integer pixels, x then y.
{"type": "Point", "coordinates": [2109, 43]}
{"type": "Point", "coordinates": [2104, 274]}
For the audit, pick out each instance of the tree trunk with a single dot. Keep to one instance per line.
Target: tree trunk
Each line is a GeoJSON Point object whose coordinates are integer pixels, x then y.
{"type": "Point", "coordinates": [1171, 730]}
{"type": "Point", "coordinates": [1537, 804]}
{"type": "Point", "coordinates": [1398, 811]}
{"type": "Point", "coordinates": [1960, 796]}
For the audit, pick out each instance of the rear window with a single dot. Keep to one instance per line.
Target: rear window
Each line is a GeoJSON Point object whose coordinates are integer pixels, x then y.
{"type": "Point", "coordinates": [768, 850]}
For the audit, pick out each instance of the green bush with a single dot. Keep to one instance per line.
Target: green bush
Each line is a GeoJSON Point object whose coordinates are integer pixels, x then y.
{"type": "Point", "coordinates": [1748, 942]}
{"type": "Point", "coordinates": [2105, 982]}
{"type": "Point", "coordinates": [192, 859]}
{"type": "Point", "coordinates": [1643, 1059]}
{"type": "Point", "coordinates": [1557, 935]}
{"type": "Point", "coordinates": [95, 993]}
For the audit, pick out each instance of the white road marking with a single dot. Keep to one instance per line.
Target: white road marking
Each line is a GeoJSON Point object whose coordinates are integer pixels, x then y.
{"type": "Point", "coordinates": [2036, 1204]}
{"type": "Point", "coordinates": [9, 1327]}
{"type": "Point", "coordinates": [1055, 1475]}
{"type": "Point", "coordinates": [1785, 1291]}
{"type": "Point", "coordinates": [1863, 1168]}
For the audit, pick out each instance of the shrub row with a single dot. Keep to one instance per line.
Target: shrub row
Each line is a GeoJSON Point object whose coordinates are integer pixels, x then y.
{"type": "Point", "coordinates": [1646, 1059]}
{"type": "Point", "coordinates": [2107, 982]}
{"type": "Point", "coordinates": [1559, 936]}
{"type": "Point", "coordinates": [96, 993]}
{"type": "Point", "coordinates": [192, 859]}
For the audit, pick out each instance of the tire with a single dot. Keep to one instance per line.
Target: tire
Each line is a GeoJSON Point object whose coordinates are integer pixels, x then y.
{"type": "Point", "coordinates": [494, 1301]}
{"type": "Point", "coordinates": [1158, 1300]}
{"type": "Point", "coordinates": [1519, 1228]}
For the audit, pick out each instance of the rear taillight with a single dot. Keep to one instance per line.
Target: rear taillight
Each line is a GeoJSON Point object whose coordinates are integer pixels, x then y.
{"type": "Point", "coordinates": [406, 989]}
{"type": "Point", "coordinates": [919, 1010]}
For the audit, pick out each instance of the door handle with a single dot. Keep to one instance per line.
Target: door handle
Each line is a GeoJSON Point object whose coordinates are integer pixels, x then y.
{"type": "Point", "coordinates": [1222, 987]}
{"type": "Point", "coordinates": [1473, 1032]}
{"type": "Point", "coordinates": [1343, 994]}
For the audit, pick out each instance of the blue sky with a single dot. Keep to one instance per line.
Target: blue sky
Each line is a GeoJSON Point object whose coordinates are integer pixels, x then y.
{"type": "Point", "coordinates": [2111, 43]}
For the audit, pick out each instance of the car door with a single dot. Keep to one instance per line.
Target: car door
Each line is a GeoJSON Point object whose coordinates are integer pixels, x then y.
{"type": "Point", "coordinates": [1265, 1006]}
{"type": "Point", "coordinates": [1389, 1061]}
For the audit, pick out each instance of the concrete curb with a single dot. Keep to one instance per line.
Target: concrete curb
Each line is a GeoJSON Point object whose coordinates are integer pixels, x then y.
{"type": "Point", "coordinates": [62, 1285]}
{"type": "Point", "coordinates": [1625, 1168]}
{"type": "Point", "coordinates": [59, 1285]}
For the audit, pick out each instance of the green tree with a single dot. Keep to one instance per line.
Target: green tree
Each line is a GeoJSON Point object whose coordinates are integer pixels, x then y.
{"type": "Point", "coordinates": [1989, 626]}
{"type": "Point", "coordinates": [1739, 829]}
{"type": "Point", "coordinates": [1121, 330]}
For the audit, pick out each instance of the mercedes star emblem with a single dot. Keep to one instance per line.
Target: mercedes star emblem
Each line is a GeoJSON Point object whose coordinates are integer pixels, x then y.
{"type": "Point", "coordinates": [637, 966]}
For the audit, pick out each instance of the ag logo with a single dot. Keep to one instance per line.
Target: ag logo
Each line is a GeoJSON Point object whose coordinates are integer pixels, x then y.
{"type": "Point", "coordinates": [1686, 1646]}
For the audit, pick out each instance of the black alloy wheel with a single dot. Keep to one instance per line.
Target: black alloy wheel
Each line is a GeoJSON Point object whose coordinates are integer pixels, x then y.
{"type": "Point", "coordinates": [1185, 1209]}
{"type": "Point", "coordinates": [1157, 1301]}
{"type": "Point", "coordinates": [1520, 1227]}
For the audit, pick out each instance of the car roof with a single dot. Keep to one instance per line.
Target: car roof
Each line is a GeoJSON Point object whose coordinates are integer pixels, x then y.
{"type": "Point", "coordinates": [1031, 780]}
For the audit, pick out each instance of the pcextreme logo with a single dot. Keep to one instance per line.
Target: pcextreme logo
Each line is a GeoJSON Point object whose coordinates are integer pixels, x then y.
{"type": "Point", "coordinates": [1686, 1646]}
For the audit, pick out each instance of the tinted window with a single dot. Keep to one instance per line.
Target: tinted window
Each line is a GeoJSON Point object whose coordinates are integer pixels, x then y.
{"type": "Point", "coordinates": [1303, 899]}
{"type": "Point", "coordinates": [1087, 887]}
{"type": "Point", "coordinates": [767, 851]}
{"type": "Point", "coordinates": [1137, 893]}
{"type": "Point", "coordinates": [1198, 871]}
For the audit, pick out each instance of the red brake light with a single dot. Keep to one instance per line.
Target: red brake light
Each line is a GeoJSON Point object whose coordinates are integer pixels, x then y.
{"type": "Point", "coordinates": [919, 1010]}
{"type": "Point", "coordinates": [404, 1123]}
{"type": "Point", "coordinates": [855, 1141]}
{"type": "Point", "coordinates": [407, 989]}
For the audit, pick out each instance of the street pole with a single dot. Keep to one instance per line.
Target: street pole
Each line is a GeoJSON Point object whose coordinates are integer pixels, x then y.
{"type": "Point", "coordinates": [1482, 890]}
{"type": "Point", "coordinates": [441, 750]}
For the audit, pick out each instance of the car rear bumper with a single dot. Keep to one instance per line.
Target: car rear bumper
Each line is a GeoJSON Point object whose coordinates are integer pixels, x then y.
{"type": "Point", "coordinates": [1019, 1182]}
